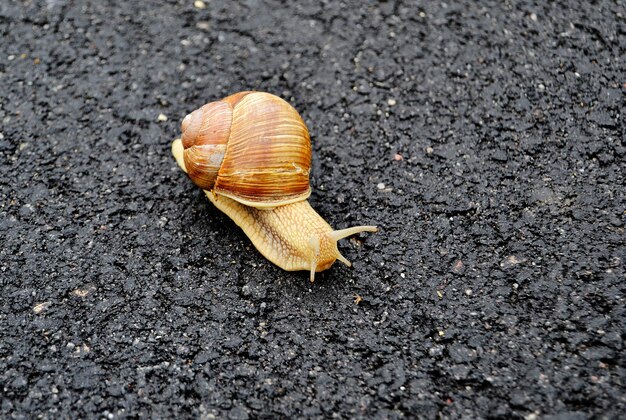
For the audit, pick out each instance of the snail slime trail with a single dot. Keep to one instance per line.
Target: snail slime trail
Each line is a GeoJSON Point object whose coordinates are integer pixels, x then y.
{"type": "Point", "coordinates": [251, 154]}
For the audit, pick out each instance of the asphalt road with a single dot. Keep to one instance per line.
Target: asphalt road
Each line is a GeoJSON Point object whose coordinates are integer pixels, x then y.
{"type": "Point", "coordinates": [485, 139]}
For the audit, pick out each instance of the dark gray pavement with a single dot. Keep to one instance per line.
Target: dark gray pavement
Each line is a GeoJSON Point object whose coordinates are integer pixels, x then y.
{"type": "Point", "coordinates": [486, 139]}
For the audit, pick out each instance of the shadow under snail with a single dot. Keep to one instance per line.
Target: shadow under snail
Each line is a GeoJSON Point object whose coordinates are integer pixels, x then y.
{"type": "Point", "coordinates": [251, 154]}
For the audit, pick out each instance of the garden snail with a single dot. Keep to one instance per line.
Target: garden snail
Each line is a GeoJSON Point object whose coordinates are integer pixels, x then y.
{"type": "Point", "coordinates": [251, 154]}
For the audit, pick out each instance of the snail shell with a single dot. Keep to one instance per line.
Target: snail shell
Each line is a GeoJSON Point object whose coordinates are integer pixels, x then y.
{"type": "Point", "coordinates": [251, 154]}
{"type": "Point", "coordinates": [252, 147]}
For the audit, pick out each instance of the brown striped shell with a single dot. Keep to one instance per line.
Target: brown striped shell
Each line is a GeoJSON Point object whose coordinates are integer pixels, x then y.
{"type": "Point", "coordinates": [252, 147]}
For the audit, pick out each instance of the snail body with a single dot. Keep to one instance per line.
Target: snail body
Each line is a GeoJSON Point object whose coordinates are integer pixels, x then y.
{"type": "Point", "coordinates": [251, 154]}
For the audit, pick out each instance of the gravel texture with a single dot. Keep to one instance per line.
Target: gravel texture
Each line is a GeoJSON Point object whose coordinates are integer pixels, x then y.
{"type": "Point", "coordinates": [486, 139]}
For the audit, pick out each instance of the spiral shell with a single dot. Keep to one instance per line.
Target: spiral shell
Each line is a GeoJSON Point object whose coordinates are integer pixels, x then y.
{"type": "Point", "coordinates": [252, 147]}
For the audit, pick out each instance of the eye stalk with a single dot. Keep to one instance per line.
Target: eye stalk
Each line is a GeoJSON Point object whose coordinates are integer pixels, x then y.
{"type": "Point", "coordinates": [324, 251]}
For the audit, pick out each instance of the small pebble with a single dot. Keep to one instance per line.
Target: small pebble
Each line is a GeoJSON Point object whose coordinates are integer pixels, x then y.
{"type": "Point", "coordinates": [429, 150]}
{"type": "Point", "coordinates": [512, 260]}
{"type": "Point", "coordinates": [398, 157]}
{"type": "Point", "coordinates": [391, 102]}
{"type": "Point", "coordinates": [458, 267]}
{"type": "Point", "coordinates": [380, 186]}
{"type": "Point", "coordinates": [162, 117]}
{"type": "Point", "coordinates": [80, 292]}
{"type": "Point", "coordinates": [203, 25]}
{"type": "Point", "coordinates": [38, 308]}
{"type": "Point", "coordinates": [199, 4]}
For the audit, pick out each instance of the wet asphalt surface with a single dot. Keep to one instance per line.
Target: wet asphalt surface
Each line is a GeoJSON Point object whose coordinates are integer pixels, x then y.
{"type": "Point", "coordinates": [486, 140]}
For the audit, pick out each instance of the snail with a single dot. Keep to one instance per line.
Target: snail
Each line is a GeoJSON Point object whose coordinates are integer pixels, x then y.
{"type": "Point", "coordinates": [251, 154]}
